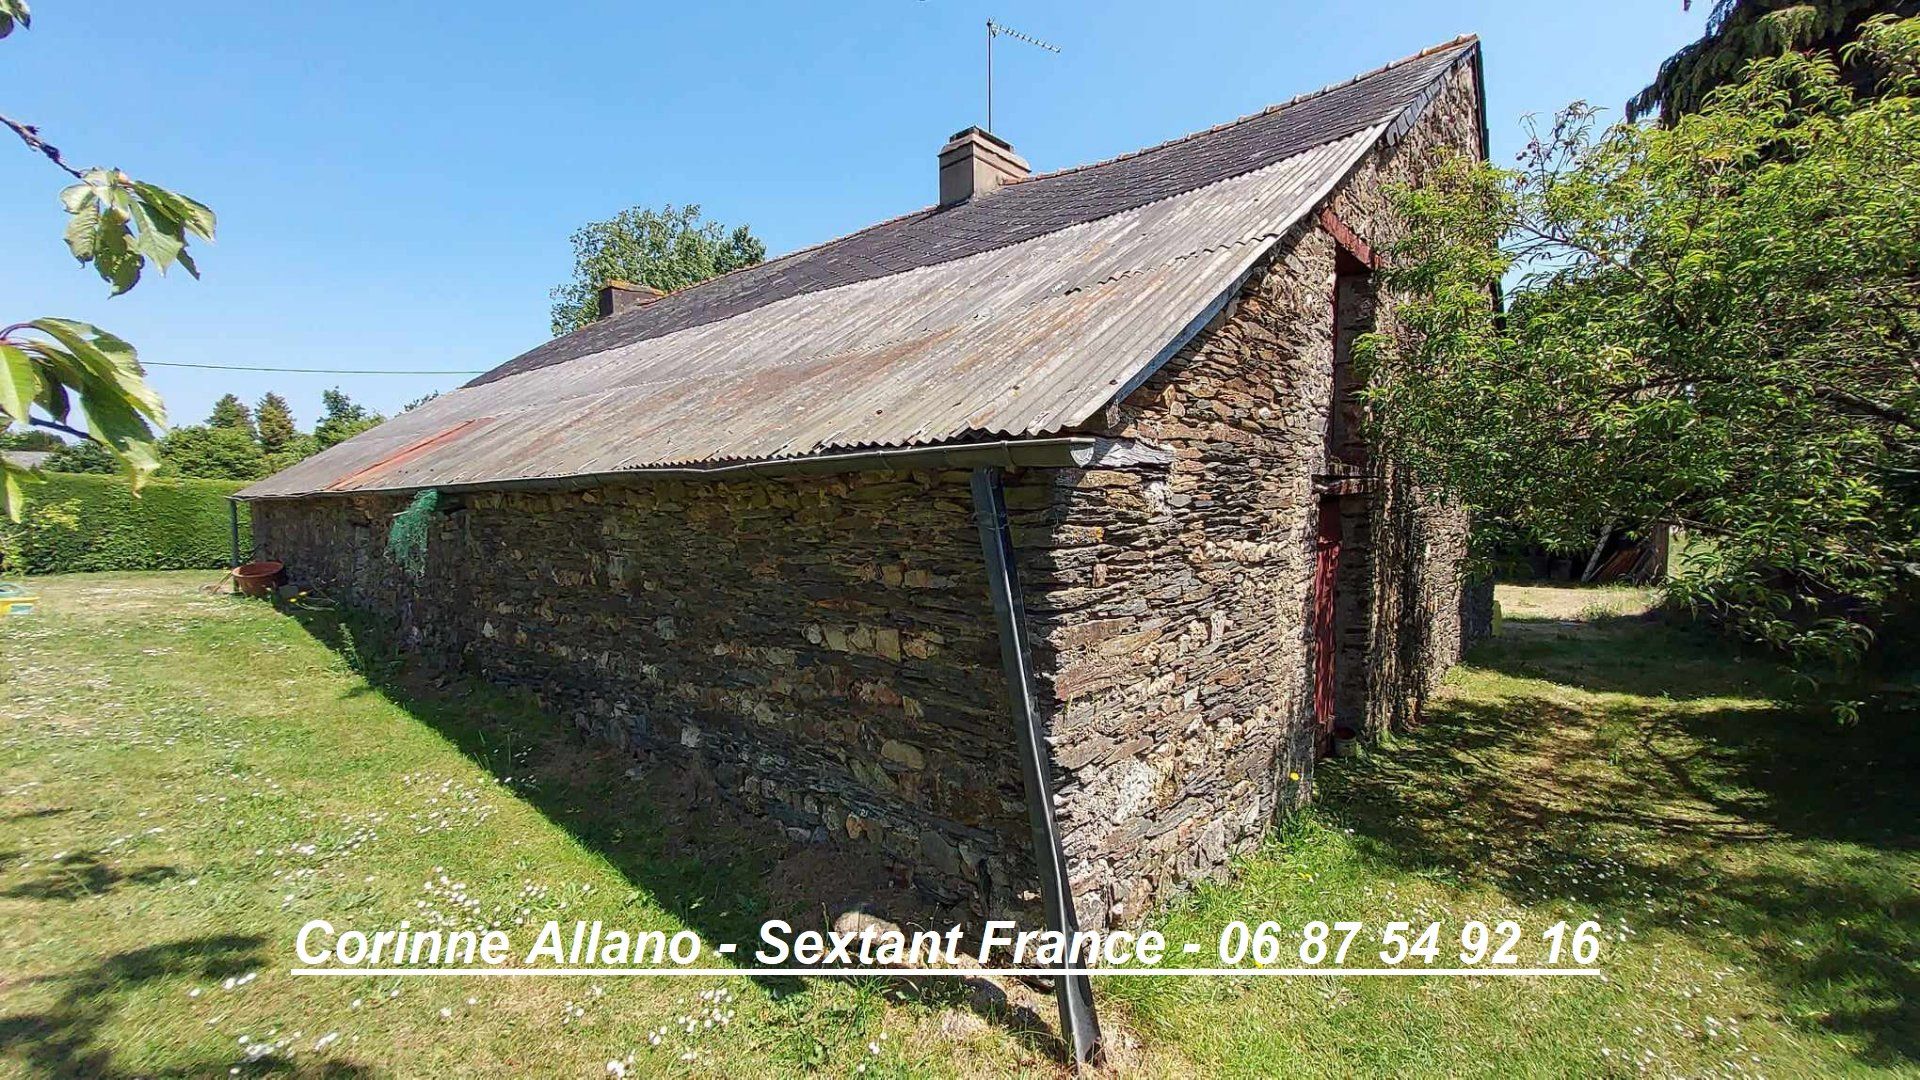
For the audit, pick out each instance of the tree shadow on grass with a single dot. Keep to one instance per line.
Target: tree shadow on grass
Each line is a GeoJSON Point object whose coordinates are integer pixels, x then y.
{"type": "Point", "coordinates": [65, 1039]}
{"type": "Point", "coordinates": [1763, 834]}
{"type": "Point", "coordinates": [84, 874]}
{"type": "Point", "coordinates": [667, 834]}
{"type": "Point", "coordinates": [665, 828]}
{"type": "Point", "coordinates": [1650, 655]}
{"type": "Point", "coordinates": [36, 815]}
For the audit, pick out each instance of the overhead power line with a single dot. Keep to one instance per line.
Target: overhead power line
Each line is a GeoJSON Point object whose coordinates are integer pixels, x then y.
{"type": "Point", "coordinates": [302, 370]}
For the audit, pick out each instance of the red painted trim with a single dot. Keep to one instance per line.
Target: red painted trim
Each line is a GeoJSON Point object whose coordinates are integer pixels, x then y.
{"type": "Point", "coordinates": [1326, 643]}
{"type": "Point", "coordinates": [409, 452]}
{"type": "Point", "coordinates": [1349, 241]}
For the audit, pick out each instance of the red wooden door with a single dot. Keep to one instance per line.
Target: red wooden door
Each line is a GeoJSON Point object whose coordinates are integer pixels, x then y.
{"type": "Point", "coordinates": [1325, 648]}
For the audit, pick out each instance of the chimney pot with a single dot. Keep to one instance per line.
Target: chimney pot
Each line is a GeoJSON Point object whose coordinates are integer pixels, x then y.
{"type": "Point", "coordinates": [618, 297]}
{"type": "Point", "coordinates": [975, 162]}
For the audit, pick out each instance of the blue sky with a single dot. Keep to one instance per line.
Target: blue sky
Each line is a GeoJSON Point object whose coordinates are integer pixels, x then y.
{"type": "Point", "coordinates": [396, 182]}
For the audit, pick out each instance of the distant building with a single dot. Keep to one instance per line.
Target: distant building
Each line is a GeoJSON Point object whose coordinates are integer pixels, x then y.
{"type": "Point", "coordinates": [27, 459]}
{"type": "Point", "coordinates": [763, 523]}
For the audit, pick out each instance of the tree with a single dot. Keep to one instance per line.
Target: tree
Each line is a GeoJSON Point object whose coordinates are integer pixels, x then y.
{"type": "Point", "coordinates": [85, 456]}
{"type": "Point", "coordinates": [292, 452]}
{"type": "Point", "coordinates": [1739, 31]}
{"type": "Point", "coordinates": [282, 441]}
{"type": "Point", "coordinates": [341, 419]}
{"type": "Point", "coordinates": [230, 412]}
{"type": "Point", "coordinates": [119, 226]}
{"type": "Point", "coordinates": [274, 422]}
{"type": "Point", "coordinates": [212, 453]}
{"type": "Point", "coordinates": [669, 248]}
{"type": "Point", "coordinates": [30, 439]}
{"type": "Point", "coordinates": [1714, 325]}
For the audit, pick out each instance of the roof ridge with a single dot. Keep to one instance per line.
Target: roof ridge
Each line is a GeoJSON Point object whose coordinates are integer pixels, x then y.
{"type": "Point", "coordinates": [1298, 99]}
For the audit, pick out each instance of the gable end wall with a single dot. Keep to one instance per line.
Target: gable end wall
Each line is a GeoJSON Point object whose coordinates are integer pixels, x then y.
{"type": "Point", "coordinates": [1171, 604]}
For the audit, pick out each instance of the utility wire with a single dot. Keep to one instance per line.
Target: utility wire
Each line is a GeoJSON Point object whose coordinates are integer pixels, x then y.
{"type": "Point", "coordinates": [302, 370]}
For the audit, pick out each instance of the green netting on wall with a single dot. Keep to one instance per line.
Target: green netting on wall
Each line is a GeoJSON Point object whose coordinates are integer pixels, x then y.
{"type": "Point", "coordinates": [407, 536]}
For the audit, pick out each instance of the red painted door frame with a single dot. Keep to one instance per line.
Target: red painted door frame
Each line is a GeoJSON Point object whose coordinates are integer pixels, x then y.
{"type": "Point", "coordinates": [1326, 647]}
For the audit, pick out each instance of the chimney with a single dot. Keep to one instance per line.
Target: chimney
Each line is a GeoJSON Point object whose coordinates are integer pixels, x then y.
{"type": "Point", "coordinates": [975, 162]}
{"type": "Point", "coordinates": [619, 297]}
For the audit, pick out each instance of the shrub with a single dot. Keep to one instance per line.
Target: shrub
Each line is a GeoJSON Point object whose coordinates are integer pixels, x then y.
{"type": "Point", "coordinates": [78, 523]}
{"type": "Point", "coordinates": [82, 457]}
{"type": "Point", "coordinates": [212, 453]}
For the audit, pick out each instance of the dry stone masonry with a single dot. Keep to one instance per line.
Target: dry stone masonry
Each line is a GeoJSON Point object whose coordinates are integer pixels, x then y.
{"type": "Point", "coordinates": [823, 647]}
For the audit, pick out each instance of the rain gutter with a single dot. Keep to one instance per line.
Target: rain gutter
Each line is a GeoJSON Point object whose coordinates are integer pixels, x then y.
{"type": "Point", "coordinates": [1071, 452]}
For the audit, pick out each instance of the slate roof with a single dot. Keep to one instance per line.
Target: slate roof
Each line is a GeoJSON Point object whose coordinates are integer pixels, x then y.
{"type": "Point", "coordinates": [1018, 313]}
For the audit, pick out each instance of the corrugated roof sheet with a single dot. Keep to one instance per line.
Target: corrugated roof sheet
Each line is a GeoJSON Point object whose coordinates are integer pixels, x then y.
{"type": "Point", "coordinates": [1019, 313]}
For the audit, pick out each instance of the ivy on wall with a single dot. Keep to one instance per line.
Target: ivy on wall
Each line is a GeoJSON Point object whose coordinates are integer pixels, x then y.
{"type": "Point", "coordinates": [87, 523]}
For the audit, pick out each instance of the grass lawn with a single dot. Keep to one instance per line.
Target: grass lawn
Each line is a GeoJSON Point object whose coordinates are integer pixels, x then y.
{"type": "Point", "coordinates": [185, 779]}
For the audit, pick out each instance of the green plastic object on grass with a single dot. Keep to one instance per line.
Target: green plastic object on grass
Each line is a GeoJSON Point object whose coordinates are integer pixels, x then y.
{"type": "Point", "coordinates": [407, 536]}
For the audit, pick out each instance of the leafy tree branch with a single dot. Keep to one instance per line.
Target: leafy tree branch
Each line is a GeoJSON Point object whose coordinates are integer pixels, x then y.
{"type": "Point", "coordinates": [667, 249]}
{"type": "Point", "coordinates": [120, 226]}
{"type": "Point", "coordinates": [1710, 323]}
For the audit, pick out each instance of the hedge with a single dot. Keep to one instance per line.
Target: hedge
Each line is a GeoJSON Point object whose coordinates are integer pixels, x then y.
{"type": "Point", "coordinates": [81, 523]}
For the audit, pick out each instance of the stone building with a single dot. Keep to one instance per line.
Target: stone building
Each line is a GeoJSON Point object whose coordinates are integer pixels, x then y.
{"type": "Point", "coordinates": [1029, 538]}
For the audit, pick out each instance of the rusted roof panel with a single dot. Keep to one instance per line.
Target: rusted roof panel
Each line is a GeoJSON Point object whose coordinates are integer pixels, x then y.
{"type": "Point", "coordinates": [1020, 339]}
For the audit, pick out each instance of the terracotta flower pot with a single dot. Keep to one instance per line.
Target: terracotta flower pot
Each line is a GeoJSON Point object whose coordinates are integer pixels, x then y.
{"type": "Point", "coordinates": [258, 578]}
{"type": "Point", "coordinates": [1346, 742]}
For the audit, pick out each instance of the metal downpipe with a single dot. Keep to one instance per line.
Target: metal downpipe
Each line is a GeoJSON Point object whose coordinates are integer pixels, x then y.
{"type": "Point", "coordinates": [1073, 990]}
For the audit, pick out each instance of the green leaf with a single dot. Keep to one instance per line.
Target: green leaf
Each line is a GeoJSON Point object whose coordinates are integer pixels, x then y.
{"type": "Point", "coordinates": [53, 400]}
{"type": "Point", "coordinates": [12, 12]}
{"type": "Point", "coordinates": [77, 196]}
{"type": "Point", "coordinates": [113, 256]}
{"type": "Point", "coordinates": [104, 366]}
{"type": "Point", "coordinates": [19, 382]}
{"type": "Point", "coordinates": [114, 347]}
{"type": "Point", "coordinates": [82, 227]}
{"type": "Point", "coordinates": [156, 240]}
{"type": "Point", "coordinates": [118, 224]}
{"type": "Point", "coordinates": [99, 231]}
{"type": "Point", "coordinates": [12, 498]}
{"type": "Point", "coordinates": [187, 213]}
{"type": "Point", "coordinates": [113, 421]}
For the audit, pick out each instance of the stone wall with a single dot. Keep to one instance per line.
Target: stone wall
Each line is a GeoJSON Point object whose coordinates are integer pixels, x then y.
{"type": "Point", "coordinates": [824, 645]}
{"type": "Point", "coordinates": [1172, 604]}
{"type": "Point", "coordinates": [1424, 614]}
{"type": "Point", "coordinates": [1170, 610]}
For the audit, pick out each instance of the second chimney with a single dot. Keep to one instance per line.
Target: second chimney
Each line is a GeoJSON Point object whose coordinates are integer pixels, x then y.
{"type": "Point", "coordinates": [618, 297]}
{"type": "Point", "coordinates": [975, 162]}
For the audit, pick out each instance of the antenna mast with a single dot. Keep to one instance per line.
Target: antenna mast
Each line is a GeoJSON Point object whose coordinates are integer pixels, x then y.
{"type": "Point", "coordinates": [994, 30]}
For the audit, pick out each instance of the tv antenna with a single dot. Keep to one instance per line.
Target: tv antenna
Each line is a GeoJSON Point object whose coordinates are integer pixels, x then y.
{"type": "Point", "coordinates": [994, 30]}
